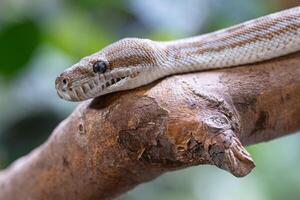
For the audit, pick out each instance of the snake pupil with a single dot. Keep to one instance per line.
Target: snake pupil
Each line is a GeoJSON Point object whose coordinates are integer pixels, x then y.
{"type": "Point", "coordinates": [99, 67]}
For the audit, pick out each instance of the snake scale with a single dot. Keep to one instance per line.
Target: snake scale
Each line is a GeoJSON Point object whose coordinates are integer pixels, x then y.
{"type": "Point", "coordinates": [133, 62]}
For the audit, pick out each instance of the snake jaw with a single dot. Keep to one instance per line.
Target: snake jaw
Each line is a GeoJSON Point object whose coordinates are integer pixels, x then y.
{"type": "Point", "coordinates": [98, 84]}
{"type": "Point", "coordinates": [117, 80]}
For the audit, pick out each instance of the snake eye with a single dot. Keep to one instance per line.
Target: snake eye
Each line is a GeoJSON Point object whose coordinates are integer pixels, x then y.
{"type": "Point", "coordinates": [99, 67]}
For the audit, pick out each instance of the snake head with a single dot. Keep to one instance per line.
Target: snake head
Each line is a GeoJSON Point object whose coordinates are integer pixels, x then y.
{"type": "Point", "coordinates": [123, 65]}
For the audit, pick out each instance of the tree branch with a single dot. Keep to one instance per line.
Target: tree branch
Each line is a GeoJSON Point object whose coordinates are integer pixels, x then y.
{"type": "Point", "coordinates": [111, 144]}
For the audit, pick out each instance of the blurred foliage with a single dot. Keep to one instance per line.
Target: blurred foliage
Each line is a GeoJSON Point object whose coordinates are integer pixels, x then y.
{"type": "Point", "coordinates": [40, 38]}
{"type": "Point", "coordinates": [18, 42]}
{"type": "Point", "coordinates": [77, 35]}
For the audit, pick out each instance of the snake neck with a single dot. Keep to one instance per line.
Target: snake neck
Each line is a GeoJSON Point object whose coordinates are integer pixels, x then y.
{"type": "Point", "coordinates": [257, 40]}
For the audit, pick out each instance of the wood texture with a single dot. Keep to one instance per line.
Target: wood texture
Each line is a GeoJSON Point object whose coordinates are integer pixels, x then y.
{"type": "Point", "coordinates": [111, 144]}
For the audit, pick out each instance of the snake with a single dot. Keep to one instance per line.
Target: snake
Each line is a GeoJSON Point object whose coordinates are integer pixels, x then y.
{"type": "Point", "coordinates": [133, 62]}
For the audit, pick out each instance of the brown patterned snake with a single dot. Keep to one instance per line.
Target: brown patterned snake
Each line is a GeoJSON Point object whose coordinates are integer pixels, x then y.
{"type": "Point", "coordinates": [133, 62]}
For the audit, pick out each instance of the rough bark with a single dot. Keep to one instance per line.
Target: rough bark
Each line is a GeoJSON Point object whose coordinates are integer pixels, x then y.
{"type": "Point", "coordinates": [112, 143]}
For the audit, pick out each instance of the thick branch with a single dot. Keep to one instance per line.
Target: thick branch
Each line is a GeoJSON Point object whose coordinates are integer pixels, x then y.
{"type": "Point", "coordinates": [113, 143]}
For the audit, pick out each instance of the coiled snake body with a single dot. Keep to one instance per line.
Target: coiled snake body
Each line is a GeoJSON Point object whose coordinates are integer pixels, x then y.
{"type": "Point", "coordinates": [133, 62]}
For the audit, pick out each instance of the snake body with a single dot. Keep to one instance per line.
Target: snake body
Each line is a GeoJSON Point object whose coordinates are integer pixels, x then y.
{"type": "Point", "coordinates": [133, 62]}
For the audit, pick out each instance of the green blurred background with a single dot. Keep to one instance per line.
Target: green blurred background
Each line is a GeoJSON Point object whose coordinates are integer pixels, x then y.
{"type": "Point", "coordinates": [40, 38]}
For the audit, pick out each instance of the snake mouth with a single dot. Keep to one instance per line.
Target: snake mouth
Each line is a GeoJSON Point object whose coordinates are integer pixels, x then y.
{"type": "Point", "coordinates": [113, 82]}
{"type": "Point", "coordinates": [99, 85]}
{"type": "Point", "coordinates": [116, 80]}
